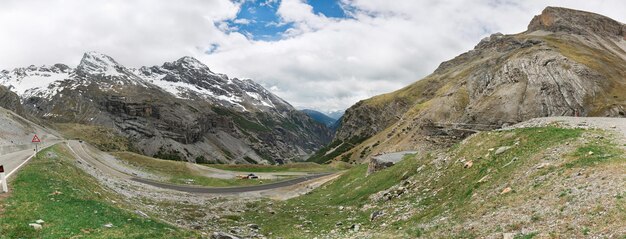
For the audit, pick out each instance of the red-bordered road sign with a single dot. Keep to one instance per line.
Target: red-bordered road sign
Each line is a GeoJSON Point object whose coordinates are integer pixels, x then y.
{"type": "Point", "coordinates": [36, 139]}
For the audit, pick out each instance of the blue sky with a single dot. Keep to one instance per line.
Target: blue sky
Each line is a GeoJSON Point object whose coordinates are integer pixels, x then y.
{"type": "Point", "coordinates": [259, 20]}
{"type": "Point", "coordinates": [309, 52]}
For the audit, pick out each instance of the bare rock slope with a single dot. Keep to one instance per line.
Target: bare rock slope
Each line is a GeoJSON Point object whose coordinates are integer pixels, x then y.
{"type": "Point", "coordinates": [567, 63]}
{"type": "Point", "coordinates": [179, 110]}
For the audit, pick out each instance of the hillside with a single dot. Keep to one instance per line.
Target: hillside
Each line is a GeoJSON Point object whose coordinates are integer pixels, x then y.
{"type": "Point", "coordinates": [554, 179]}
{"type": "Point", "coordinates": [180, 110]}
{"type": "Point", "coordinates": [567, 63]}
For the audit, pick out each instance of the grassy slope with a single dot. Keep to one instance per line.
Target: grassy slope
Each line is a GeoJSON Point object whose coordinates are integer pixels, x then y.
{"type": "Point", "coordinates": [81, 210]}
{"type": "Point", "coordinates": [178, 172]}
{"type": "Point", "coordinates": [103, 138]}
{"type": "Point", "coordinates": [447, 196]}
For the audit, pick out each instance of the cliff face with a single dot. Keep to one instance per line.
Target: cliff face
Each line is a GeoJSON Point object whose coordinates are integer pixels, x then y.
{"type": "Point", "coordinates": [180, 110]}
{"type": "Point", "coordinates": [567, 63]}
{"type": "Point", "coordinates": [10, 100]}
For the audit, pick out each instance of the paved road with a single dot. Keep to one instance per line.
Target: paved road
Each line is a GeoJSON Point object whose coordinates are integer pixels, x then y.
{"type": "Point", "coordinates": [13, 161]}
{"type": "Point", "coordinates": [260, 187]}
{"type": "Point", "coordinates": [393, 157]}
{"type": "Point", "coordinates": [83, 154]}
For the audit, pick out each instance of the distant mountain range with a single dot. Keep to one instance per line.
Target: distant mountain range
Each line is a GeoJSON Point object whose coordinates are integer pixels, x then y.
{"type": "Point", "coordinates": [321, 117]}
{"type": "Point", "coordinates": [180, 109]}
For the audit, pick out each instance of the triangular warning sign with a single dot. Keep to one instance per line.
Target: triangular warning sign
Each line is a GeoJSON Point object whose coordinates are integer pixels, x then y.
{"type": "Point", "coordinates": [36, 139]}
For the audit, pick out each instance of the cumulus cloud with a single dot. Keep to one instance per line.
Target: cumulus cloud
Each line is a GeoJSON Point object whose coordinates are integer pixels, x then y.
{"type": "Point", "coordinates": [320, 62]}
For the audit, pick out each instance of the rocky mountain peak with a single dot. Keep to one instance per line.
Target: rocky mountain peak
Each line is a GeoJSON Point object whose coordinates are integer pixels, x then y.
{"type": "Point", "coordinates": [557, 19]}
{"type": "Point", "coordinates": [191, 62]}
{"type": "Point", "coordinates": [94, 63]}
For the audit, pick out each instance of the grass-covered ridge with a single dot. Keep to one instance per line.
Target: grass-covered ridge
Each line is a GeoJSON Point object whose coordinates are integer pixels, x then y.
{"type": "Point", "coordinates": [539, 173]}
{"type": "Point", "coordinates": [72, 204]}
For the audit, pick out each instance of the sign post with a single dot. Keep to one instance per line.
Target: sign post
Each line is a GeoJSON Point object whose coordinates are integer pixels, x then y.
{"type": "Point", "coordinates": [36, 140]}
{"type": "Point", "coordinates": [3, 178]}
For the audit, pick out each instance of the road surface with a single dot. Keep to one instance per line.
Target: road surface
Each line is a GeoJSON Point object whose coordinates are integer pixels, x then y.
{"type": "Point", "coordinates": [260, 187]}
{"type": "Point", "coordinates": [13, 161]}
{"type": "Point", "coordinates": [83, 154]}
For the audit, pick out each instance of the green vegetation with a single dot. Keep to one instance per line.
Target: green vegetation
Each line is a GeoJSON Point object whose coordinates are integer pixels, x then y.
{"type": "Point", "coordinates": [181, 172]}
{"type": "Point", "coordinates": [72, 204]}
{"type": "Point", "coordinates": [241, 121]}
{"type": "Point", "coordinates": [173, 155]}
{"type": "Point", "coordinates": [444, 188]}
{"type": "Point", "coordinates": [321, 206]}
{"type": "Point", "coordinates": [292, 167]}
{"type": "Point", "coordinates": [335, 149]}
{"type": "Point", "coordinates": [594, 153]}
{"type": "Point", "coordinates": [103, 138]}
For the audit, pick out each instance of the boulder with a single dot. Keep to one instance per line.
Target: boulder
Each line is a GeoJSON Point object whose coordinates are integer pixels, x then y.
{"type": "Point", "coordinates": [223, 235]}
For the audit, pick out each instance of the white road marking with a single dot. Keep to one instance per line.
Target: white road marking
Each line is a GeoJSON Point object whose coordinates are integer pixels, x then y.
{"type": "Point", "coordinates": [25, 161]}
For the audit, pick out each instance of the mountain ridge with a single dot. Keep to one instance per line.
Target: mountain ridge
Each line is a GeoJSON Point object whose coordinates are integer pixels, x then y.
{"type": "Point", "coordinates": [181, 109]}
{"type": "Point", "coordinates": [552, 69]}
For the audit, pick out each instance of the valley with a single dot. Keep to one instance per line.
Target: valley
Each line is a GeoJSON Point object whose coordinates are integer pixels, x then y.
{"type": "Point", "coordinates": [523, 136]}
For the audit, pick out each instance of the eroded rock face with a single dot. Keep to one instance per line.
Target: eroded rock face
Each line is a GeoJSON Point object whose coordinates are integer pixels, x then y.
{"type": "Point", "coordinates": [10, 100]}
{"type": "Point", "coordinates": [180, 110]}
{"type": "Point", "coordinates": [556, 19]}
{"type": "Point", "coordinates": [568, 63]}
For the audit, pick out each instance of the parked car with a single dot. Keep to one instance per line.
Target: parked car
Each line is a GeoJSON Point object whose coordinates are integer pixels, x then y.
{"type": "Point", "coordinates": [249, 176]}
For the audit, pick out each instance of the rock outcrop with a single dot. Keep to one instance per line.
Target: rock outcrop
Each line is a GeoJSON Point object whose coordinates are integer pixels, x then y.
{"type": "Point", "coordinates": [568, 63]}
{"type": "Point", "coordinates": [10, 100]}
{"type": "Point", "coordinates": [179, 110]}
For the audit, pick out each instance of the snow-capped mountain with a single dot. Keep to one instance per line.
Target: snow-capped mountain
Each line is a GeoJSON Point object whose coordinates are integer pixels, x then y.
{"type": "Point", "coordinates": [185, 78]}
{"type": "Point", "coordinates": [180, 106]}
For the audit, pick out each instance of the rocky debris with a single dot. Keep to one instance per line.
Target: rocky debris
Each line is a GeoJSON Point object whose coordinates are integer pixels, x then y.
{"type": "Point", "coordinates": [253, 226]}
{"type": "Point", "coordinates": [35, 226]}
{"type": "Point", "coordinates": [376, 214]}
{"type": "Point", "coordinates": [394, 192]}
{"type": "Point", "coordinates": [502, 149]}
{"type": "Point", "coordinates": [382, 161]}
{"type": "Point", "coordinates": [508, 235]}
{"type": "Point", "coordinates": [142, 214]}
{"type": "Point", "coordinates": [355, 227]}
{"type": "Point", "coordinates": [223, 235]}
{"type": "Point", "coordinates": [484, 179]}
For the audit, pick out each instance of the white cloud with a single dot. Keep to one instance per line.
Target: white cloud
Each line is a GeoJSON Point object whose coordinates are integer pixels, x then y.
{"type": "Point", "coordinates": [141, 32]}
{"type": "Point", "coordinates": [322, 63]}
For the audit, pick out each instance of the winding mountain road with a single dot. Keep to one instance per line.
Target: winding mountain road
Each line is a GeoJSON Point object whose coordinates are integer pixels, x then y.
{"type": "Point", "coordinates": [15, 160]}
{"type": "Point", "coordinates": [83, 154]}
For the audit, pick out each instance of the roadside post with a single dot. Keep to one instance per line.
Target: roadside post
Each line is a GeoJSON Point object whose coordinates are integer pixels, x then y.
{"type": "Point", "coordinates": [36, 141]}
{"type": "Point", "coordinates": [3, 178]}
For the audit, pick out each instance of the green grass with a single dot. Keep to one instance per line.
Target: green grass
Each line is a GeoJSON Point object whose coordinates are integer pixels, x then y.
{"type": "Point", "coordinates": [180, 172]}
{"type": "Point", "coordinates": [292, 167]}
{"type": "Point", "coordinates": [103, 138]}
{"type": "Point", "coordinates": [80, 210]}
{"type": "Point", "coordinates": [321, 206]}
{"type": "Point", "coordinates": [594, 153]}
{"type": "Point", "coordinates": [443, 187]}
